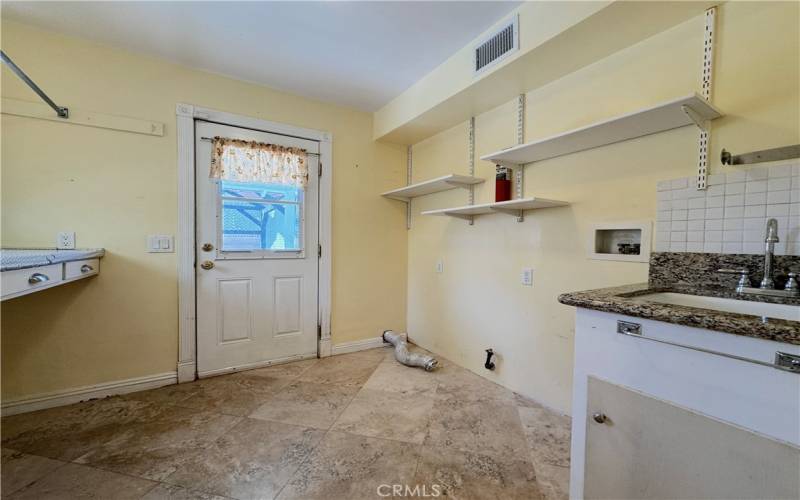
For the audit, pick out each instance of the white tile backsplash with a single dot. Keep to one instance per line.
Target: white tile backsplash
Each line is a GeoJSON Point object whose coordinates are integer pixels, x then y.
{"type": "Point", "coordinates": [730, 216]}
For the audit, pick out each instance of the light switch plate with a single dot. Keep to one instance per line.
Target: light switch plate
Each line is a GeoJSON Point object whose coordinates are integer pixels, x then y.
{"type": "Point", "coordinates": [440, 266]}
{"type": "Point", "coordinates": [65, 240]}
{"type": "Point", "coordinates": [526, 277]}
{"type": "Point", "coordinates": [160, 243]}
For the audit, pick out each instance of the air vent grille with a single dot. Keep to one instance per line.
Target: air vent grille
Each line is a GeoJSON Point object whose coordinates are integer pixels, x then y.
{"type": "Point", "coordinates": [498, 46]}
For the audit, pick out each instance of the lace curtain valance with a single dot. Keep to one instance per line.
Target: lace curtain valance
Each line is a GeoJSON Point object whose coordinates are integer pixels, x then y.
{"type": "Point", "coordinates": [243, 161]}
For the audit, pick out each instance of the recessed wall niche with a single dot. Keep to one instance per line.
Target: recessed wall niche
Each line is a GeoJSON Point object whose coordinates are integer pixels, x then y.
{"type": "Point", "coordinates": [622, 241]}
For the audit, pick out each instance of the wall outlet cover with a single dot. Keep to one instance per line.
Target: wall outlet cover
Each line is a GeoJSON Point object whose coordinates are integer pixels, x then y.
{"type": "Point", "coordinates": [526, 277]}
{"type": "Point", "coordinates": [65, 240]}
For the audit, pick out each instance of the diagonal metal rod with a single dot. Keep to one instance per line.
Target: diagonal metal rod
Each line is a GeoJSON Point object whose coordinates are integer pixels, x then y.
{"type": "Point", "coordinates": [61, 111]}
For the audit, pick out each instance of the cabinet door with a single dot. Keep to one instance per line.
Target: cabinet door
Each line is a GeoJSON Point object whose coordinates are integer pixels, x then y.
{"type": "Point", "coordinates": [651, 449]}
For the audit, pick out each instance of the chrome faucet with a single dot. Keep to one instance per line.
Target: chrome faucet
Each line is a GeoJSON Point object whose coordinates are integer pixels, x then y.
{"type": "Point", "coordinates": [767, 287]}
{"type": "Point", "coordinates": [767, 283]}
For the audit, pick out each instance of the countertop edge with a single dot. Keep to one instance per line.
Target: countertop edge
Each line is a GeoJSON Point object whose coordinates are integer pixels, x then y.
{"type": "Point", "coordinates": [610, 300]}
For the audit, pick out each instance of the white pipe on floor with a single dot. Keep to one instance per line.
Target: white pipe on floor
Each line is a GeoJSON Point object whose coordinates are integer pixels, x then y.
{"type": "Point", "coordinates": [405, 357]}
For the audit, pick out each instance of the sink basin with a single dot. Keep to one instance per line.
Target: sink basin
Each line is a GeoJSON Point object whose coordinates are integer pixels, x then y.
{"type": "Point", "coordinates": [780, 311]}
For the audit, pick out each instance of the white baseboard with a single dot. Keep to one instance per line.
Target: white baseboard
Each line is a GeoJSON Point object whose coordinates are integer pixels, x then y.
{"type": "Point", "coordinates": [360, 345]}
{"type": "Point", "coordinates": [187, 371]}
{"type": "Point", "coordinates": [78, 394]}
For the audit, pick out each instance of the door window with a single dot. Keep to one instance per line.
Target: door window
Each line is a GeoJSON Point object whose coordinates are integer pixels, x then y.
{"type": "Point", "coordinates": [260, 219]}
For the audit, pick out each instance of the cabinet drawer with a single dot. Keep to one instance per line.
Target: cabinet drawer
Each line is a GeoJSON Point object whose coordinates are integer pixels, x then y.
{"type": "Point", "coordinates": [22, 280]}
{"type": "Point", "coordinates": [81, 268]}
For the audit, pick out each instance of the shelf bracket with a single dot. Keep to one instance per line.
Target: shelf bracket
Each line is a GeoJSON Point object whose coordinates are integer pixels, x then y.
{"type": "Point", "coordinates": [519, 214]}
{"type": "Point", "coordinates": [471, 219]}
{"type": "Point", "coordinates": [696, 118]}
{"type": "Point", "coordinates": [706, 80]}
{"type": "Point", "coordinates": [408, 182]}
{"type": "Point", "coordinates": [519, 170]}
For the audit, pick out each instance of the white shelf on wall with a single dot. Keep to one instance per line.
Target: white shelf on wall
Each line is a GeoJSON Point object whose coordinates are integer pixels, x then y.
{"type": "Point", "coordinates": [512, 207]}
{"type": "Point", "coordinates": [687, 110]}
{"type": "Point", "coordinates": [436, 185]}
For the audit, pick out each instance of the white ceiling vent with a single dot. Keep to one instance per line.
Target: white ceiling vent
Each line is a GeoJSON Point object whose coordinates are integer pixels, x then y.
{"type": "Point", "coordinates": [496, 46]}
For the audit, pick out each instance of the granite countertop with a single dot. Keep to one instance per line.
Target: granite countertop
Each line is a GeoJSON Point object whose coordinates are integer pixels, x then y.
{"type": "Point", "coordinates": [623, 300]}
{"type": "Point", "coordinates": [23, 258]}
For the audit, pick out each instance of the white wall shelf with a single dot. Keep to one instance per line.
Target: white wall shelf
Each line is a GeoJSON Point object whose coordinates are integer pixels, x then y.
{"type": "Point", "coordinates": [436, 185]}
{"type": "Point", "coordinates": [687, 110]}
{"type": "Point", "coordinates": [511, 207]}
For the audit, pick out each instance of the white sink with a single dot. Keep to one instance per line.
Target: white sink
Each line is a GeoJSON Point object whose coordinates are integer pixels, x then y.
{"type": "Point", "coordinates": [780, 311]}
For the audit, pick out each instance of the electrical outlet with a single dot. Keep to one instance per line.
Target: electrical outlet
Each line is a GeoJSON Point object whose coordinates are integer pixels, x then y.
{"type": "Point", "coordinates": [440, 266]}
{"type": "Point", "coordinates": [65, 240]}
{"type": "Point", "coordinates": [526, 277]}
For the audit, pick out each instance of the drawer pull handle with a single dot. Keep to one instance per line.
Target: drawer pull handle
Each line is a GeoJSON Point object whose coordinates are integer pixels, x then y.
{"type": "Point", "coordinates": [86, 268]}
{"type": "Point", "coordinates": [37, 278]}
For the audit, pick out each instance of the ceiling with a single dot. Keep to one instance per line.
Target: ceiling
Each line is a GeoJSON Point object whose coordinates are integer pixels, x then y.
{"type": "Point", "coordinates": [356, 54]}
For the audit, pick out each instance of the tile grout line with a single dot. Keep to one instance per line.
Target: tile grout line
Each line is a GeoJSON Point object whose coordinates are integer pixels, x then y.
{"type": "Point", "coordinates": [312, 450]}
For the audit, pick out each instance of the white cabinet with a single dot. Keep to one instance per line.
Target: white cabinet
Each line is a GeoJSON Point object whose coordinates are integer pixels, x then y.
{"type": "Point", "coordinates": [678, 402]}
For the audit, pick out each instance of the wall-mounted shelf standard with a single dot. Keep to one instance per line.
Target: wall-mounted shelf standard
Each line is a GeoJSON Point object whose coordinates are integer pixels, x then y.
{"type": "Point", "coordinates": [688, 110]}
{"type": "Point", "coordinates": [436, 185]}
{"type": "Point", "coordinates": [511, 207]}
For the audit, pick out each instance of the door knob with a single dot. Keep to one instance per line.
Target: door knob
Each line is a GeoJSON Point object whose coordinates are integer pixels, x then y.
{"type": "Point", "coordinates": [600, 418]}
{"type": "Point", "coordinates": [207, 264]}
{"type": "Point", "coordinates": [207, 247]}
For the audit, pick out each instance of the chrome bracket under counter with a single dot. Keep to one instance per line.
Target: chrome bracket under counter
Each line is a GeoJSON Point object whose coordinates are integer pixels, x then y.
{"type": "Point", "coordinates": [783, 360]}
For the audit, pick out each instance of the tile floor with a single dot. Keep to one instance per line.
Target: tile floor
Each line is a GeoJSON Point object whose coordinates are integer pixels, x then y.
{"type": "Point", "coordinates": [333, 428]}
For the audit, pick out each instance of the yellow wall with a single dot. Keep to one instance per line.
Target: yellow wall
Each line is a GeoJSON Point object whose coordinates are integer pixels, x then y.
{"type": "Point", "coordinates": [114, 188]}
{"type": "Point", "coordinates": [478, 301]}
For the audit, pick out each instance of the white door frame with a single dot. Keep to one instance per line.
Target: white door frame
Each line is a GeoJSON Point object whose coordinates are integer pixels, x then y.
{"type": "Point", "coordinates": [185, 244]}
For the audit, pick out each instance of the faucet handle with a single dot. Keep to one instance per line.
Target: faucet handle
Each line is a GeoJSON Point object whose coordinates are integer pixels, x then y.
{"type": "Point", "coordinates": [791, 284]}
{"type": "Point", "coordinates": [744, 280]}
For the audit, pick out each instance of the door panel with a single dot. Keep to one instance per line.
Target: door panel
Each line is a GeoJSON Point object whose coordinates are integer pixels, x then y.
{"type": "Point", "coordinates": [235, 310]}
{"type": "Point", "coordinates": [650, 449]}
{"type": "Point", "coordinates": [257, 287]}
{"type": "Point", "coordinates": [288, 305]}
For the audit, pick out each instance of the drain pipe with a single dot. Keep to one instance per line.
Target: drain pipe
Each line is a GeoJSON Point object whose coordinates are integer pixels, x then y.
{"type": "Point", "coordinates": [405, 357]}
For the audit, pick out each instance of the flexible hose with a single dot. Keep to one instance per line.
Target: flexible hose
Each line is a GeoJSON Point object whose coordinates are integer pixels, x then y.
{"type": "Point", "coordinates": [405, 357]}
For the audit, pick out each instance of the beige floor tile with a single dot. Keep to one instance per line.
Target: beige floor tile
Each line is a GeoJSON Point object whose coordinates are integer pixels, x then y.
{"type": "Point", "coordinates": [306, 403]}
{"type": "Point", "coordinates": [548, 435]}
{"type": "Point", "coordinates": [68, 432]}
{"type": "Point", "coordinates": [175, 492]}
{"type": "Point", "coordinates": [553, 481]}
{"type": "Point", "coordinates": [73, 481]}
{"type": "Point", "coordinates": [375, 354]}
{"type": "Point", "coordinates": [395, 377]}
{"type": "Point", "coordinates": [388, 415]}
{"type": "Point", "coordinates": [484, 427]}
{"type": "Point", "coordinates": [157, 448]}
{"type": "Point", "coordinates": [344, 370]}
{"type": "Point", "coordinates": [284, 370]}
{"type": "Point", "coordinates": [345, 466]}
{"type": "Point", "coordinates": [173, 394]}
{"type": "Point", "coordinates": [463, 386]}
{"type": "Point", "coordinates": [233, 395]}
{"type": "Point", "coordinates": [468, 475]}
{"type": "Point", "coordinates": [253, 460]}
{"type": "Point", "coordinates": [18, 470]}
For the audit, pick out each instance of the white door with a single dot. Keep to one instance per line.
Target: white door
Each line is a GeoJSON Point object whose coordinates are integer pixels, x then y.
{"type": "Point", "coordinates": [256, 261]}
